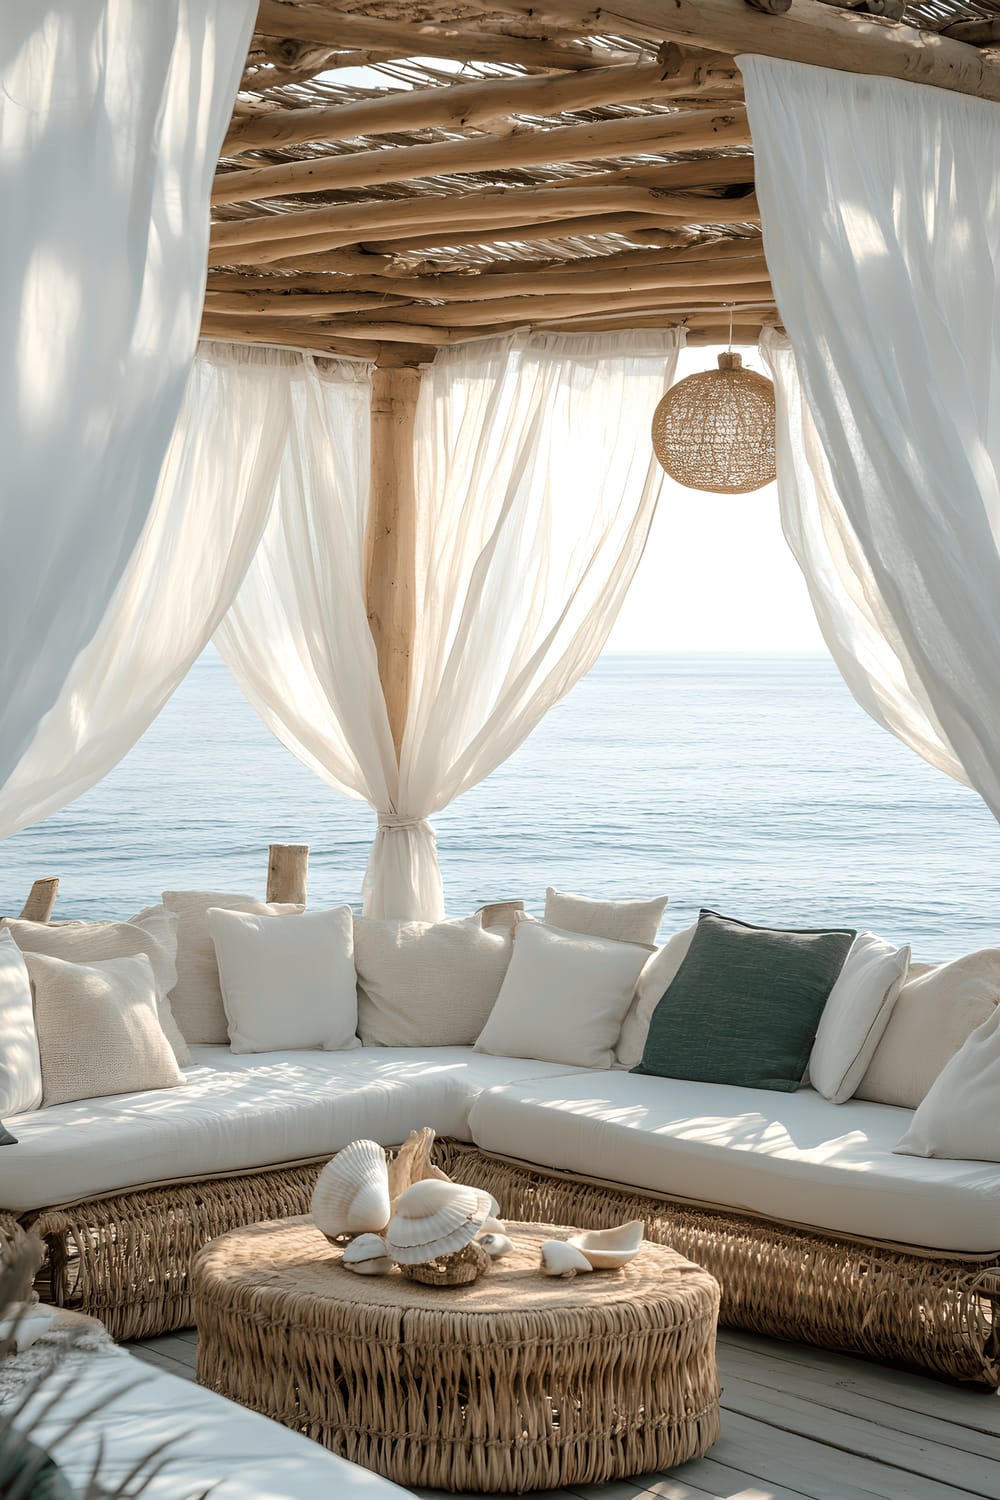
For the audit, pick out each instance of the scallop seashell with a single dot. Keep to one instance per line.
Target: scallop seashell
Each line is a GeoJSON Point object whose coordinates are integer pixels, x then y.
{"type": "Point", "coordinates": [607, 1249]}
{"type": "Point", "coordinates": [367, 1256]}
{"type": "Point", "coordinates": [351, 1195]}
{"type": "Point", "coordinates": [561, 1259]}
{"type": "Point", "coordinates": [435, 1218]}
{"type": "Point", "coordinates": [495, 1245]}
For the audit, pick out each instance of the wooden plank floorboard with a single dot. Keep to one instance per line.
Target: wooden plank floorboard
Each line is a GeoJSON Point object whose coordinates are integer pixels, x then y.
{"type": "Point", "coordinates": [798, 1424]}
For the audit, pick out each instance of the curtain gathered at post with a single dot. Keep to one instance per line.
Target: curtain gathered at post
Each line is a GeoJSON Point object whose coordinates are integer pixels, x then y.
{"type": "Point", "coordinates": [880, 205]}
{"type": "Point", "coordinates": [211, 503]}
{"type": "Point", "coordinates": [111, 119]}
{"type": "Point", "coordinates": [535, 489]}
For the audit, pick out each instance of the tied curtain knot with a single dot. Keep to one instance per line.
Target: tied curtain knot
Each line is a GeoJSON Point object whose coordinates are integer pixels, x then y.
{"type": "Point", "coordinates": [396, 821]}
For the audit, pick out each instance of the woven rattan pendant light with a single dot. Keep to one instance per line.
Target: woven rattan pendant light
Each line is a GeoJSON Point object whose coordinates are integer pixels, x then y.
{"type": "Point", "coordinates": [715, 431]}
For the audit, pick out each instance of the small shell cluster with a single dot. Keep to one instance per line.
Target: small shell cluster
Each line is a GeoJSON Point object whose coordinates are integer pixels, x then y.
{"type": "Point", "coordinates": [593, 1250]}
{"type": "Point", "coordinates": [407, 1213]}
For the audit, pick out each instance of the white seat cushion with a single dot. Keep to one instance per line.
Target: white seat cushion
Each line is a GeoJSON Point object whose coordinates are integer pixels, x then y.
{"type": "Point", "coordinates": [213, 1444]}
{"type": "Point", "coordinates": [234, 1113]}
{"type": "Point", "coordinates": [793, 1157]}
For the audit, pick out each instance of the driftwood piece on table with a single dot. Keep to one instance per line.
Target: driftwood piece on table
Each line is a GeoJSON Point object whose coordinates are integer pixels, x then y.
{"type": "Point", "coordinates": [41, 900]}
{"type": "Point", "coordinates": [287, 872]}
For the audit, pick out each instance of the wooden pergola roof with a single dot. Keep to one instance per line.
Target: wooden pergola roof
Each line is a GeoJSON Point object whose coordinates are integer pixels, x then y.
{"type": "Point", "coordinates": [558, 166]}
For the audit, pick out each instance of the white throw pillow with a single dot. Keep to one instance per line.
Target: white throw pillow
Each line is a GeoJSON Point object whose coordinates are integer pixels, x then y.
{"type": "Point", "coordinates": [959, 1119]}
{"type": "Point", "coordinates": [152, 932]}
{"type": "Point", "coordinates": [930, 1021]}
{"type": "Point", "coordinates": [20, 1066]}
{"type": "Point", "coordinates": [622, 921]}
{"type": "Point", "coordinates": [196, 998]}
{"type": "Point", "coordinates": [427, 984]}
{"type": "Point", "coordinates": [98, 1028]}
{"type": "Point", "coordinates": [855, 1016]}
{"type": "Point", "coordinates": [564, 997]}
{"type": "Point", "coordinates": [287, 982]}
{"type": "Point", "coordinates": [657, 975]}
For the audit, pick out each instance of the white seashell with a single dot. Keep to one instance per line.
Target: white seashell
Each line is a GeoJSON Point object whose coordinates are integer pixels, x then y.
{"type": "Point", "coordinates": [495, 1245]}
{"type": "Point", "coordinates": [608, 1248]}
{"type": "Point", "coordinates": [351, 1195]}
{"type": "Point", "coordinates": [561, 1259]}
{"type": "Point", "coordinates": [367, 1256]}
{"type": "Point", "coordinates": [493, 1225]}
{"type": "Point", "coordinates": [435, 1218]}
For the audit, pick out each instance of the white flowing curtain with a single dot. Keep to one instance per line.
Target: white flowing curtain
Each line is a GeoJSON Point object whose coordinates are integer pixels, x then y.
{"type": "Point", "coordinates": [211, 504]}
{"type": "Point", "coordinates": [535, 490]}
{"type": "Point", "coordinates": [880, 204]}
{"type": "Point", "coordinates": [111, 118]}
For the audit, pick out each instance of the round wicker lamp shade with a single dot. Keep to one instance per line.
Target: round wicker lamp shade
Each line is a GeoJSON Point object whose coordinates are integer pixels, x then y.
{"type": "Point", "coordinates": [715, 431]}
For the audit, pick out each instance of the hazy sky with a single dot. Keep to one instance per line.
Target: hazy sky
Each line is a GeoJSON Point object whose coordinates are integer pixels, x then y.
{"type": "Point", "coordinates": [717, 574]}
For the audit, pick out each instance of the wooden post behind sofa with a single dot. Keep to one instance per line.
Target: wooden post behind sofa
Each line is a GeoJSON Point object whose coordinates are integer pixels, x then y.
{"type": "Point", "coordinates": [390, 539]}
{"type": "Point", "coordinates": [287, 872]}
{"type": "Point", "coordinates": [41, 900]}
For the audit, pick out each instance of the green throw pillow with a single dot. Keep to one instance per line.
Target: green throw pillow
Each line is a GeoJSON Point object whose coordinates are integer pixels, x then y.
{"type": "Point", "coordinates": [744, 1005]}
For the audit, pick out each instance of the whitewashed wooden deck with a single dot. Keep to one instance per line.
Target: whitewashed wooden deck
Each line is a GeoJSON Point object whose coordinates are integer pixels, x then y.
{"type": "Point", "coordinates": [798, 1422]}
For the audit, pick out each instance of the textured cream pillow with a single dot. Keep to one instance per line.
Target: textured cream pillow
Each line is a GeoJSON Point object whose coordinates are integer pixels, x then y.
{"type": "Point", "coordinates": [152, 932]}
{"type": "Point", "coordinates": [196, 999]}
{"type": "Point", "coordinates": [930, 1021]}
{"type": "Point", "coordinates": [958, 1118]}
{"type": "Point", "coordinates": [855, 1016]}
{"type": "Point", "coordinates": [564, 997]}
{"type": "Point", "coordinates": [427, 984]}
{"type": "Point", "coordinates": [657, 975]}
{"type": "Point", "coordinates": [622, 921]}
{"type": "Point", "coordinates": [98, 1029]}
{"type": "Point", "coordinates": [20, 1066]}
{"type": "Point", "coordinates": [287, 982]}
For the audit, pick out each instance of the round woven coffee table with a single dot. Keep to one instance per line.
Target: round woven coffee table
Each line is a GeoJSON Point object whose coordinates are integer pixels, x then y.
{"type": "Point", "coordinates": [517, 1382]}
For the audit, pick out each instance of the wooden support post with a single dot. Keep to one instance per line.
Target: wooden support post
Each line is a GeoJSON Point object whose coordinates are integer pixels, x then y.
{"type": "Point", "coordinates": [390, 540]}
{"type": "Point", "coordinates": [287, 872]}
{"type": "Point", "coordinates": [41, 900]}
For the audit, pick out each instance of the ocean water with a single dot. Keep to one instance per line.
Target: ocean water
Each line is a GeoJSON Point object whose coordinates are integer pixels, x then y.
{"type": "Point", "coordinates": [751, 784]}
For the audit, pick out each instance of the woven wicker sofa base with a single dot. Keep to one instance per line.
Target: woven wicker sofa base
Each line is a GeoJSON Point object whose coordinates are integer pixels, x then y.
{"type": "Point", "coordinates": [125, 1259]}
{"type": "Point", "coordinates": [930, 1314]}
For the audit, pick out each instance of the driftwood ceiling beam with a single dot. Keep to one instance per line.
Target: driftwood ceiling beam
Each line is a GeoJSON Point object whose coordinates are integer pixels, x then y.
{"type": "Point", "coordinates": [645, 228]}
{"type": "Point", "coordinates": [723, 171]}
{"type": "Point", "coordinates": [426, 39]}
{"type": "Point", "coordinates": [518, 310]}
{"type": "Point", "coordinates": [470, 105]}
{"type": "Point", "coordinates": [293, 335]}
{"type": "Point", "coordinates": [250, 241]}
{"type": "Point", "coordinates": [695, 130]}
{"type": "Point", "coordinates": [808, 33]}
{"type": "Point", "coordinates": [328, 305]}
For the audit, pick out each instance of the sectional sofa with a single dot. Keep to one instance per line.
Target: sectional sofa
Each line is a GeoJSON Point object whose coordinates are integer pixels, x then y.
{"type": "Point", "coordinates": [816, 1229]}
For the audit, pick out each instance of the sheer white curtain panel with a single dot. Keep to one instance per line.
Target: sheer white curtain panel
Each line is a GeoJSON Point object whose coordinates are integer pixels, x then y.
{"type": "Point", "coordinates": [880, 204]}
{"type": "Point", "coordinates": [211, 505]}
{"type": "Point", "coordinates": [535, 489]}
{"type": "Point", "coordinates": [111, 118]}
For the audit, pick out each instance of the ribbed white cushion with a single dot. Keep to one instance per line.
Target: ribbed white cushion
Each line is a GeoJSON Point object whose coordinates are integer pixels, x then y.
{"type": "Point", "coordinates": [856, 1015]}
{"type": "Point", "coordinates": [623, 921]}
{"type": "Point", "coordinates": [793, 1157]}
{"type": "Point", "coordinates": [20, 1066]}
{"type": "Point", "coordinates": [98, 1030]}
{"type": "Point", "coordinates": [959, 1117]}
{"type": "Point", "coordinates": [658, 972]}
{"type": "Point", "coordinates": [196, 998]}
{"type": "Point", "coordinates": [563, 998]}
{"type": "Point", "coordinates": [152, 931]}
{"type": "Point", "coordinates": [427, 984]}
{"type": "Point", "coordinates": [234, 1113]}
{"type": "Point", "coordinates": [287, 982]}
{"type": "Point", "coordinates": [212, 1445]}
{"type": "Point", "coordinates": [931, 1019]}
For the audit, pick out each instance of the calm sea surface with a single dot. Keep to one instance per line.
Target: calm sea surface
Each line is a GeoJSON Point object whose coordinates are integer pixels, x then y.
{"type": "Point", "coordinates": [752, 784]}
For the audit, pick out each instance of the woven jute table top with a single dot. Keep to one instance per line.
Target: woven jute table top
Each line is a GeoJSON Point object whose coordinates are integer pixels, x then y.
{"type": "Point", "coordinates": [519, 1381]}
